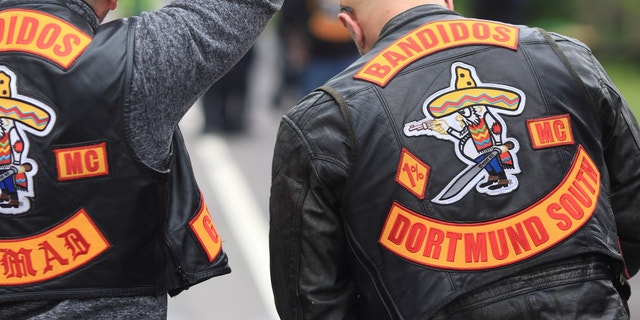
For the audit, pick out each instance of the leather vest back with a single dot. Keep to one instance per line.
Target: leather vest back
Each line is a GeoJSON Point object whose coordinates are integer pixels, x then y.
{"type": "Point", "coordinates": [81, 215]}
{"type": "Point", "coordinates": [466, 172]}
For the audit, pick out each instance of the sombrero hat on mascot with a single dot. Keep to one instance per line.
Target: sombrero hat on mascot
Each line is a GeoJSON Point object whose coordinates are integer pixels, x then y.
{"type": "Point", "coordinates": [468, 94]}
{"type": "Point", "coordinates": [18, 109]}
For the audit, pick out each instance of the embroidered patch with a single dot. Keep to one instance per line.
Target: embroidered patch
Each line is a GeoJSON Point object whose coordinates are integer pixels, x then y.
{"type": "Point", "coordinates": [434, 37]}
{"type": "Point", "coordinates": [66, 247]}
{"type": "Point", "coordinates": [412, 174]}
{"type": "Point", "coordinates": [492, 244]}
{"type": "Point", "coordinates": [19, 115]}
{"type": "Point", "coordinates": [205, 230]}
{"type": "Point", "coordinates": [81, 162]}
{"type": "Point", "coordinates": [43, 35]}
{"type": "Point", "coordinates": [550, 132]}
{"type": "Point", "coordinates": [467, 114]}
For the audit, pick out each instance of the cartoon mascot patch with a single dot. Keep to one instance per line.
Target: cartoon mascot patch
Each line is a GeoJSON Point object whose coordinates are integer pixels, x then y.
{"type": "Point", "coordinates": [19, 116]}
{"type": "Point", "coordinates": [468, 114]}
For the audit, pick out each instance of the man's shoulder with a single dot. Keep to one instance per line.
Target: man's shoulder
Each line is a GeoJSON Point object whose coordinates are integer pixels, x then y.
{"type": "Point", "coordinates": [310, 105]}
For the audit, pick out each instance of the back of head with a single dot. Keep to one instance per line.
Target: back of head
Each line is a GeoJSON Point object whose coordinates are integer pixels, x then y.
{"type": "Point", "coordinates": [366, 18]}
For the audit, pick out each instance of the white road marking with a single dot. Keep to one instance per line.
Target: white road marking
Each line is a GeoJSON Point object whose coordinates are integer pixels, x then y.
{"type": "Point", "coordinates": [247, 221]}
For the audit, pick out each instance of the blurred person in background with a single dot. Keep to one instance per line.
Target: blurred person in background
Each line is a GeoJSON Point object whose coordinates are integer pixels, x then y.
{"type": "Point", "coordinates": [225, 104]}
{"type": "Point", "coordinates": [460, 169]}
{"type": "Point", "coordinates": [316, 46]}
{"type": "Point", "coordinates": [510, 11]}
{"type": "Point", "coordinates": [100, 213]}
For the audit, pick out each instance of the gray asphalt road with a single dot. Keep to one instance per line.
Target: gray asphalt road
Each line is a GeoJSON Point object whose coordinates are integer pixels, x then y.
{"type": "Point", "coordinates": [234, 174]}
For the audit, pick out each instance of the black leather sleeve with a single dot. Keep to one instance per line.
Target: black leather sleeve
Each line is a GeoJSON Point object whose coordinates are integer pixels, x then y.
{"type": "Point", "coordinates": [621, 139]}
{"type": "Point", "coordinates": [309, 270]}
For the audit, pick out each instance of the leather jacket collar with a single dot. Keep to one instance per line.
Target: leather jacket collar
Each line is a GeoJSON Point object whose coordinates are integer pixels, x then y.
{"type": "Point", "coordinates": [415, 14]}
{"type": "Point", "coordinates": [85, 11]}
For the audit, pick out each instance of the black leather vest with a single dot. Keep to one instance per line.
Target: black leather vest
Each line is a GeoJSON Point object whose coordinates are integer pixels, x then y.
{"type": "Point", "coordinates": [81, 216]}
{"type": "Point", "coordinates": [422, 204]}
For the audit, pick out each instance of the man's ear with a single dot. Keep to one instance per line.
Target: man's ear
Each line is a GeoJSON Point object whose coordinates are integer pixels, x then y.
{"type": "Point", "coordinates": [449, 4]}
{"type": "Point", "coordinates": [113, 4]}
{"type": "Point", "coordinates": [356, 32]}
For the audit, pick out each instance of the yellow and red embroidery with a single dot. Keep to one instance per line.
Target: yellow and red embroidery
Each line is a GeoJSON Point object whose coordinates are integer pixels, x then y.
{"type": "Point", "coordinates": [468, 114]}
{"type": "Point", "coordinates": [550, 132]}
{"type": "Point", "coordinates": [82, 161]}
{"type": "Point", "coordinates": [19, 115]}
{"type": "Point", "coordinates": [492, 244]}
{"type": "Point", "coordinates": [413, 174]}
{"type": "Point", "coordinates": [205, 230]}
{"type": "Point", "coordinates": [431, 38]}
{"type": "Point", "coordinates": [66, 247]}
{"type": "Point", "coordinates": [43, 35]}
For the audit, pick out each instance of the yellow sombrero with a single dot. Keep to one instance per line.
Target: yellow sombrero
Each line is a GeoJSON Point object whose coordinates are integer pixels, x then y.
{"type": "Point", "coordinates": [467, 94]}
{"type": "Point", "coordinates": [19, 110]}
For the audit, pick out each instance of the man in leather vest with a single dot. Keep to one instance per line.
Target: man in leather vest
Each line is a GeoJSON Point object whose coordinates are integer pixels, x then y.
{"type": "Point", "coordinates": [460, 169]}
{"type": "Point", "coordinates": [100, 213]}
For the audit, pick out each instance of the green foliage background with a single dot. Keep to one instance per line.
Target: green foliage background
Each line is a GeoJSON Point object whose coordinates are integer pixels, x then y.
{"type": "Point", "coordinates": [134, 7]}
{"type": "Point", "coordinates": [610, 27]}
